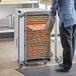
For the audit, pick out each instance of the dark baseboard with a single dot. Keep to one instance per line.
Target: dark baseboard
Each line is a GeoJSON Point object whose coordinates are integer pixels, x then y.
{"type": "Point", "coordinates": [7, 35]}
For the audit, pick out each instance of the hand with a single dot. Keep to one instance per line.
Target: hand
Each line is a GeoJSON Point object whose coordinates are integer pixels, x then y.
{"type": "Point", "coordinates": [53, 17]}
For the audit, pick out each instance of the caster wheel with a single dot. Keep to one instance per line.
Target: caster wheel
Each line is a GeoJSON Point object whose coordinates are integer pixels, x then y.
{"type": "Point", "coordinates": [26, 64]}
{"type": "Point", "coordinates": [20, 66]}
{"type": "Point", "coordinates": [58, 59]}
{"type": "Point", "coordinates": [45, 63]}
{"type": "Point", "coordinates": [48, 59]}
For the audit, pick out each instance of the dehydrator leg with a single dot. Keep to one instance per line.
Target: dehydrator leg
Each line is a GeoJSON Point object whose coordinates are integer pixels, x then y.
{"type": "Point", "coordinates": [51, 53]}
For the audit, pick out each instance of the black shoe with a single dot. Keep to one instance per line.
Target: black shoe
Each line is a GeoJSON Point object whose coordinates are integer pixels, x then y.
{"type": "Point", "coordinates": [61, 69]}
{"type": "Point", "coordinates": [61, 65]}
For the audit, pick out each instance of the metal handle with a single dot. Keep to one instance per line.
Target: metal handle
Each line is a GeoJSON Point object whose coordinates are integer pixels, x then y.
{"type": "Point", "coordinates": [58, 59]}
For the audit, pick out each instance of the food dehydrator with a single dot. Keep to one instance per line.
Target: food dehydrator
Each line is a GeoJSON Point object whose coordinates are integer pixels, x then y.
{"type": "Point", "coordinates": [32, 43]}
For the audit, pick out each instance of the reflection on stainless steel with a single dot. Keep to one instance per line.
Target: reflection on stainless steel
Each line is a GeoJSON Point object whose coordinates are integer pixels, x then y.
{"type": "Point", "coordinates": [8, 22]}
{"type": "Point", "coordinates": [11, 20]}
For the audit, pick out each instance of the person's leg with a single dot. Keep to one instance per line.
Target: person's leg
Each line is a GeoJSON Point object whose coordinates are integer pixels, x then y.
{"type": "Point", "coordinates": [67, 42]}
{"type": "Point", "coordinates": [74, 39]}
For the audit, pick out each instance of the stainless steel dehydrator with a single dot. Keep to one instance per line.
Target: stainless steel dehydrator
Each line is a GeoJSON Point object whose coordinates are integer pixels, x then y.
{"type": "Point", "coordinates": [32, 43]}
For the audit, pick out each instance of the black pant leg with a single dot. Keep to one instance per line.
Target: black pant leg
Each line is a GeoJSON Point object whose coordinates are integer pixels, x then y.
{"type": "Point", "coordinates": [67, 43]}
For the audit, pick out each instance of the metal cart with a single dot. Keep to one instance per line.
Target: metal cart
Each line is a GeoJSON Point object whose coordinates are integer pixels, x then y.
{"type": "Point", "coordinates": [32, 44]}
